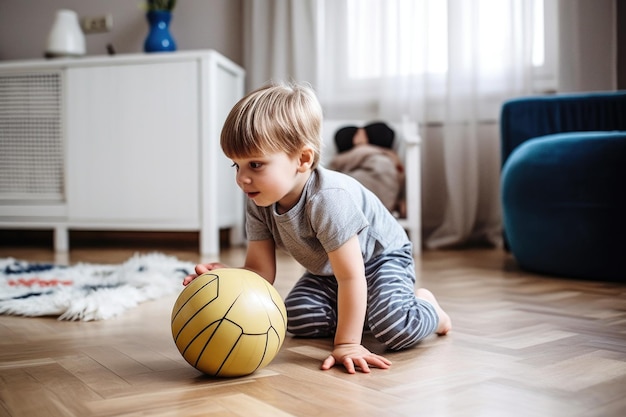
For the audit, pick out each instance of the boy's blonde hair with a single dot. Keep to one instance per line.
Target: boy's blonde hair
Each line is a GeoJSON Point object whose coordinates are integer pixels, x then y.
{"type": "Point", "coordinates": [279, 117]}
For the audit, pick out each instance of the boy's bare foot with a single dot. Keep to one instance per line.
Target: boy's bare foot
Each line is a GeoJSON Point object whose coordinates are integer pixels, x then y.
{"type": "Point", "coordinates": [445, 323]}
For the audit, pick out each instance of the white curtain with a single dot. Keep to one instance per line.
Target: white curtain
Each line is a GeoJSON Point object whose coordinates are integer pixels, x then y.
{"type": "Point", "coordinates": [448, 65]}
{"type": "Point", "coordinates": [484, 68]}
{"type": "Point", "coordinates": [280, 41]}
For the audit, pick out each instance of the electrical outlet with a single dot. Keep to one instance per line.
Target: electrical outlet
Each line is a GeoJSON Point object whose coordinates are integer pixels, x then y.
{"type": "Point", "coordinates": [97, 24]}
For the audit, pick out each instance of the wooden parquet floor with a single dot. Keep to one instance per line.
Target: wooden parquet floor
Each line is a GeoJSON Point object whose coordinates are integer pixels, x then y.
{"type": "Point", "coordinates": [521, 345]}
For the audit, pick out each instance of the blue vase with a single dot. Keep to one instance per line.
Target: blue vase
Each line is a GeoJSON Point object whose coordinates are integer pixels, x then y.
{"type": "Point", "coordinates": [159, 37]}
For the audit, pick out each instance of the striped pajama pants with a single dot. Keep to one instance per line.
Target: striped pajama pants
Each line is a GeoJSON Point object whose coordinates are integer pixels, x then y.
{"type": "Point", "coordinates": [394, 315]}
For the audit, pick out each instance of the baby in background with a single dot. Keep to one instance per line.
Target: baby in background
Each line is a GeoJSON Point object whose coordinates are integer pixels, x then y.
{"type": "Point", "coordinates": [367, 154]}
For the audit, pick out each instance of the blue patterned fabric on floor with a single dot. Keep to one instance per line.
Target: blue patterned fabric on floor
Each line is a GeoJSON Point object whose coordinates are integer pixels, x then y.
{"type": "Point", "coordinates": [87, 291]}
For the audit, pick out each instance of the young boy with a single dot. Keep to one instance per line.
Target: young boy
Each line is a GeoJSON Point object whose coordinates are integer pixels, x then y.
{"type": "Point", "coordinates": [358, 260]}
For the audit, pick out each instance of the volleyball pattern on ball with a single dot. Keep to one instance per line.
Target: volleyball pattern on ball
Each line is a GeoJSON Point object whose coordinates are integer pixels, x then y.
{"type": "Point", "coordinates": [229, 322]}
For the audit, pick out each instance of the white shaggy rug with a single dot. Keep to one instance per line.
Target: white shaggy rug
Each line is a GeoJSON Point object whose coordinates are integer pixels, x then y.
{"type": "Point", "coordinates": [87, 291]}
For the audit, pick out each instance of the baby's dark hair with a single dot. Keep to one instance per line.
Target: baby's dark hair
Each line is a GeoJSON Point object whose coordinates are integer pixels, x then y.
{"type": "Point", "coordinates": [278, 117]}
{"type": "Point", "coordinates": [378, 133]}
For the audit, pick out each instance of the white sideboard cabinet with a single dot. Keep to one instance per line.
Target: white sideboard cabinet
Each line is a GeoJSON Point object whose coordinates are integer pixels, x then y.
{"type": "Point", "coordinates": [126, 142]}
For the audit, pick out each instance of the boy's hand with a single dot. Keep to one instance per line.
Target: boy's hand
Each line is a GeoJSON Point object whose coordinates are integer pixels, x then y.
{"type": "Point", "coordinates": [201, 269]}
{"type": "Point", "coordinates": [352, 356]}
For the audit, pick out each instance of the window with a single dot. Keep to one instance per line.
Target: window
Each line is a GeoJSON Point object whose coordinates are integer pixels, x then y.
{"type": "Point", "coordinates": [371, 40]}
{"type": "Point", "coordinates": [365, 35]}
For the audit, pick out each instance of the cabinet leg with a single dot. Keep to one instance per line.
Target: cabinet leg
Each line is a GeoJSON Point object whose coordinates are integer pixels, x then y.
{"type": "Point", "coordinates": [209, 242]}
{"type": "Point", "coordinates": [61, 239]}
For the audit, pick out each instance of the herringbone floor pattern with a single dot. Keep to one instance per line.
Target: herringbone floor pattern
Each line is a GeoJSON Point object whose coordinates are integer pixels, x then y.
{"type": "Point", "coordinates": [521, 345]}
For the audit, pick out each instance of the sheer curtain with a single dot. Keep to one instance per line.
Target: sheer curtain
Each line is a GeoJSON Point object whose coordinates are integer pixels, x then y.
{"type": "Point", "coordinates": [447, 64]}
{"type": "Point", "coordinates": [280, 41]}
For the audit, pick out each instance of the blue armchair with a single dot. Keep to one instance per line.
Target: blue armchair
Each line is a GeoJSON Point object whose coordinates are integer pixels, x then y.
{"type": "Point", "coordinates": [563, 184]}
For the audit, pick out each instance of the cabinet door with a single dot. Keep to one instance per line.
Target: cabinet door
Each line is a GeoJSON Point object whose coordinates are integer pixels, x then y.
{"type": "Point", "coordinates": [132, 145]}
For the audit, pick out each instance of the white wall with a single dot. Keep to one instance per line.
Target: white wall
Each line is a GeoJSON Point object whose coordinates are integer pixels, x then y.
{"type": "Point", "coordinates": [587, 45]}
{"type": "Point", "coordinates": [196, 24]}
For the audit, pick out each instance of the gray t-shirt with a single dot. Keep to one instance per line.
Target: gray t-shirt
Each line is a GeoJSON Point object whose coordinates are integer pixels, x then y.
{"type": "Point", "coordinates": [333, 208]}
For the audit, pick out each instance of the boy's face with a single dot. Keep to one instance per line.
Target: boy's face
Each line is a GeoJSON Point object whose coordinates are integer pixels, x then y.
{"type": "Point", "coordinates": [272, 178]}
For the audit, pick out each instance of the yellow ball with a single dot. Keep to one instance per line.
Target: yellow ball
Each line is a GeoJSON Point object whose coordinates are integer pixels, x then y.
{"type": "Point", "coordinates": [229, 322]}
